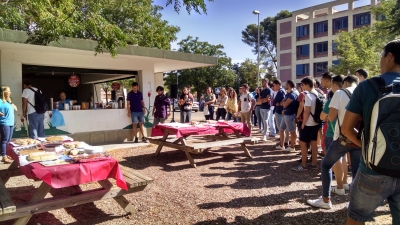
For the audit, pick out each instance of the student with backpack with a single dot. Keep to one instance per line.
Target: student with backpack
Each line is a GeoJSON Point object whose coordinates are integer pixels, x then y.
{"type": "Point", "coordinates": [34, 106]}
{"type": "Point", "coordinates": [377, 100]}
{"type": "Point", "coordinates": [290, 105]}
{"type": "Point", "coordinates": [339, 147]}
{"type": "Point", "coordinates": [311, 124]}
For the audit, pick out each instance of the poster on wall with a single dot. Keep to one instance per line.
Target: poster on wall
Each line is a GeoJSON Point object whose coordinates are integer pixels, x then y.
{"type": "Point", "coordinates": [74, 80]}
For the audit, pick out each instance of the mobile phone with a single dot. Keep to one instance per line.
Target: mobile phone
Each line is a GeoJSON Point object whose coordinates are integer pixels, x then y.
{"type": "Point", "coordinates": [396, 87]}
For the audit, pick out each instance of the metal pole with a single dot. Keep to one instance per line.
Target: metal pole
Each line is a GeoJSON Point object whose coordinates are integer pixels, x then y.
{"type": "Point", "coordinates": [258, 57]}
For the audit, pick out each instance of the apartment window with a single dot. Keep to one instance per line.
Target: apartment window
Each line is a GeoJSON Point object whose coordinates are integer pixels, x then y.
{"type": "Point", "coordinates": [320, 67]}
{"type": "Point", "coordinates": [303, 51]}
{"type": "Point", "coordinates": [321, 27]}
{"type": "Point", "coordinates": [335, 62]}
{"type": "Point", "coordinates": [340, 23]}
{"type": "Point", "coordinates": [302, 69]}
{"type": "Point", "coordinates": [321, 48]}
{"type": "Point", "coordinates": [362, 19]}
{"type": "Point", "coordinates": [334, 46]}
{"type": "Point", "coordinates": [303, 31]}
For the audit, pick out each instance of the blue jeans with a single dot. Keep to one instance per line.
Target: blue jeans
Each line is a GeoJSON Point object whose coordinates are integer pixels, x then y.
{"type": "Point", "coordinates": [6, 133]}
{"type": "Point", "coordinates": [186, 116]}
{"type": "Point", "coordinates": [368, 192]}
{"type": "Point", "coordinates": [259, 118]}
{"type": "Point", "coordinates": [264, 116]}
{"type": "Point", "coordinates": [36, 125]}
{"type": "Point", "coordinates": [271, 122]}
{"type": "Point", "coordinates": [211, 110]}
{"type": "Point", "coordinates": [328, 141]}
{"type": "Point", "coordinates": [334, 153]}
{"type": "Point", "coordinates": [230, 117]}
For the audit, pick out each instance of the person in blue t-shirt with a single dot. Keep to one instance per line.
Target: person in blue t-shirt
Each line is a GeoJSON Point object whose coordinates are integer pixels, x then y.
{"type": "Point", "coordinates": [7, 109]}
{"type": "Point", "coordinates": [280, 95]}
{"type": "Point", "coordinates": [369, 189]}
{"type": "Point", "coordinates": [64, 100]}
{"type": "Point", "coordinates": [136, 111]}
{"type": "Point", "coordinates": [289, 117]}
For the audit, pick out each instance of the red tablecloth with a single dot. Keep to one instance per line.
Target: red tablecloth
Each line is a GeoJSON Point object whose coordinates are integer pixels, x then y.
{"type": "Point", "coordinates": [72, 174]}
{"type": "Point", "coordinates": [200, 130]}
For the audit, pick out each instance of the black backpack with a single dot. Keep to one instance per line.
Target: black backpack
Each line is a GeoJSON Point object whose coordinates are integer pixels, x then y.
{"type": "Point", "coordinates": [319, 107]}
{"type": "Point", "coordinates": [40, 102]}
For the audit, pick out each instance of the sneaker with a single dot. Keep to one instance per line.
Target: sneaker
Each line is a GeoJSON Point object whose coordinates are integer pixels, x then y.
{"type": "Point", "coordinates": [312, 167]}
{"type": "Point", "coordinates": [136, 140]}
{"type": "Point", "coordinates": [308, 160]}
{"type": "Point", "coordinates": [299, 168]}
{"type": "Point", "coordinates": [144, 140]}
{"type": "Point", "coordinates": [265, 138]}
{"type": "Point", "coordinates": [271, 136]}
{"type": "Point", "coordinates": [320, 203]}
{"type": "Point", "coordinates": [290, 149]}
{"type": "Point", "coordinates": [320, 149]}
{"type": "Point", "coordinates": [346, 187]}
{"type": "Point", "coordinates": [338, 191]}
{"type": "Point", "coordinates": [278, 147]}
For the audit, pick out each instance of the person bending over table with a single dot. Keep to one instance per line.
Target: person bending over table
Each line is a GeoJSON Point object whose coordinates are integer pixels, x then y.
{"type": "Point", "coordinates": [63, 100]}
{"type": "Point", "coordinates": [7, 109]}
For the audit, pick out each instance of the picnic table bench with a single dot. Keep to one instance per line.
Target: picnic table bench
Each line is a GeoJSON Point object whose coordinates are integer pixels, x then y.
{"type": "Point", "coordinates": [134, 181]}
{"type": "Point", "coordinates": [216, 135]}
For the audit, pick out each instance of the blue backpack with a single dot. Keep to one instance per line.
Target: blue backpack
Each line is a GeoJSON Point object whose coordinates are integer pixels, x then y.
{"type": "Point", "coordinates": [381, 137]}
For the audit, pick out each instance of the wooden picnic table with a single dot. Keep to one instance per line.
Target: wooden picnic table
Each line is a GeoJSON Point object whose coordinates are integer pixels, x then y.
{"type": "Point", "coordinates": [68, 176]}
{"type": "Point", "coordinates": [219, 134]}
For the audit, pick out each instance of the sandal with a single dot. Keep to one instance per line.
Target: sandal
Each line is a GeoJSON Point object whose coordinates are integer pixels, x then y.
{"type": "Point", "coordinates": [5, 160]}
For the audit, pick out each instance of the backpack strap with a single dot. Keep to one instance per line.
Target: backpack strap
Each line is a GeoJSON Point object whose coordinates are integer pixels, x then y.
{"type": "Point", "coordinates": [347, 92]}
{"type": "Point", "coordinates": [33, 92]}
{"type": "Point", "coordinates": [379, 85]}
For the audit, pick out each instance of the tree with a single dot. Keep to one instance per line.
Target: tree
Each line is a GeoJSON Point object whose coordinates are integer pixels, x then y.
{"type": "Point", "coordinates": [359, 48]}
{"type": "Point", "coordinates": [112, 23]}
{"type": "Point", "coordinates": [388, 17]}
{"type": "Point", "coordinates": [246, 72]}
{"type": "Point", "coordinates": [199, 79]}
{"type": "Point", "coordinates": [268, 36]}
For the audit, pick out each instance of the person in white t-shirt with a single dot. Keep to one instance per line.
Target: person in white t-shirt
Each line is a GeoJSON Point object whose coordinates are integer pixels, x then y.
{"type": "Point", "coordinates": [339, 147]}
{"type": "Point", "coordinates": [247, 103]}
{"type": "Point", "coordinates": [309, 129]}
{"type": "Point", "coordinates": [36, 121]}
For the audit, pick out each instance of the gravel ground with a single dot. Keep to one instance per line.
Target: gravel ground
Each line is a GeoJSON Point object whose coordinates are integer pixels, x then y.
{"type": "Point", "coordinates": [225, 188]}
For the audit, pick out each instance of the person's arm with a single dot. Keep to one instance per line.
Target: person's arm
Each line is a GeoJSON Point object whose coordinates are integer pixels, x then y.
{"type": "Point", "coordinates": [333, 114]}
{"type": "Point", "coordinates": [128, 107]}
{"type": "Point", "coordinates": [300, 109]}
{"type": "Point", "coordinates": [154, 106]}
{"type": "Point", "coordinates": [349, 122]}
{"type": "Point", "coordinates": [287, 102]}
{"type": "Point", "coordinates": [225, 102]}
{"type": "Point", "coordinates": [143, 108]}
{"type": "Point", "coordinates": [307, 111]}
{"type": "Point", "coordinates": [24, 106]}
{"type": "Point", "coordinates": [323, 116]}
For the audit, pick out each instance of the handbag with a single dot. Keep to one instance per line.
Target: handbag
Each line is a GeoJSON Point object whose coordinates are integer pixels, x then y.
{"type": "Point", "coordinates": [206, 111]}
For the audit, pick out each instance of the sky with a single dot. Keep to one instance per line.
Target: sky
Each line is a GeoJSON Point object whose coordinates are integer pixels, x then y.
{"type": "Point", "coordinates": [226, 19]}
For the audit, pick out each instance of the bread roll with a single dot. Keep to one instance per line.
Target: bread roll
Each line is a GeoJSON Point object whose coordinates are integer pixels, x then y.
{"type": "Point", "coordinates": [42, 156]}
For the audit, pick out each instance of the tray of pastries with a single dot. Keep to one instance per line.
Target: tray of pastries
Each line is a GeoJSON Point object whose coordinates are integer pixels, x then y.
{"type": "Point", "coordinates": [42, 156]}
{"type": "Point", "coordinates": [90, 158]}
{"type": "Point", "coordinates": [25, 142]}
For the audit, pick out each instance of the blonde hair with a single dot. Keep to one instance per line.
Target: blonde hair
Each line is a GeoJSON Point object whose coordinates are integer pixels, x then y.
{"type": "Point", "coordinates": [4, 89]}
{"type": "Point", "coordinates": [234, 94]}
{"type": "Point", "coordinates": [223, 90]}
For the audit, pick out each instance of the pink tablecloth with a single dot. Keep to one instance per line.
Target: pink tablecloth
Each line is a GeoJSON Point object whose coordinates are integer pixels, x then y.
{"type": "Point", "coordinates": [72, 174]}
{"type": "Point", "coordinates": [200, 130]}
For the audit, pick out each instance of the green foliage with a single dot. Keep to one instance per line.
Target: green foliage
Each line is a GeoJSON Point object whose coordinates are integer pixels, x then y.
{"type": "Point", "coordinates": [268, 36]}
{"type": "Point", "coordinates": [359, 48]}
{"type": "Point", "coordinates": [199, 79]}
{"type": "Point", "coordinates": [388, 17]}
{"type": "Point", "coordinates": [195, 5]}
{"type": "Point", "coordinates": [112, 23]}
{"type": "Point", "coordinates": [246, 72]}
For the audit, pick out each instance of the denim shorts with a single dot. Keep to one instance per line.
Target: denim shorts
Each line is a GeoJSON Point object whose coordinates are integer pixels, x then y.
{"type": "Point", "coordinates": [137, 117]}
{"type": "Point", "coordinates": [288, 123]}
{"type": "Point", "coordinates": [368, 193]}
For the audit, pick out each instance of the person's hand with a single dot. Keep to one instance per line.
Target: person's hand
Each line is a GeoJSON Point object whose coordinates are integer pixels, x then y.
{"type": "Point", "coordinates": [168, 114]}
{"type": "Point", "coordinates": [24, 115]}
{"type": "Point", "coordinates": [152, 114]}
{"type": "Point", "coordinates": [302, 125]}
{"type": "Point", "coordinates": [144, 111]}
{"type": "Point", "coordinates": [129, 114]}
{"type": "Point", "coordinates": [1, 114]}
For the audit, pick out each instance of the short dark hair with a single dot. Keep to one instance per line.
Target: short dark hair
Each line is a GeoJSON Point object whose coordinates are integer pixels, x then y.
{"type": "Point", "coordinates": [308, 81]}
{"type": "Point", "coordinates": [351, 79]}
{"type": "Point", "coordinates": [245, 85]}
{"type": "Point", "coordinates": [134, 84]}
{"type": "Point", "coordinates": [290, 83]}
{"type": "Point", "coordinates": [265, 79]}
{"type": "Point", "coordinates": [62, 91]}
{"type": "Point", "coordinates": [277, 81]}
{"type": "Point", "coordinates": [338, 80]}
{"type": "Point", "coordinates": [27, 82]}
{"type": "Point", "coordinates": [317, 82]}
{"type": "Point", "coordinates": [328, 75]}
{"type": "Point", "coordinates": [270, 84]}
{"type": "Point", "coordinates": [363, 72]}
{"type": "Point", "coordinates": [159, 88]}
{"type": "Point", "coordinates": [394, 48]}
